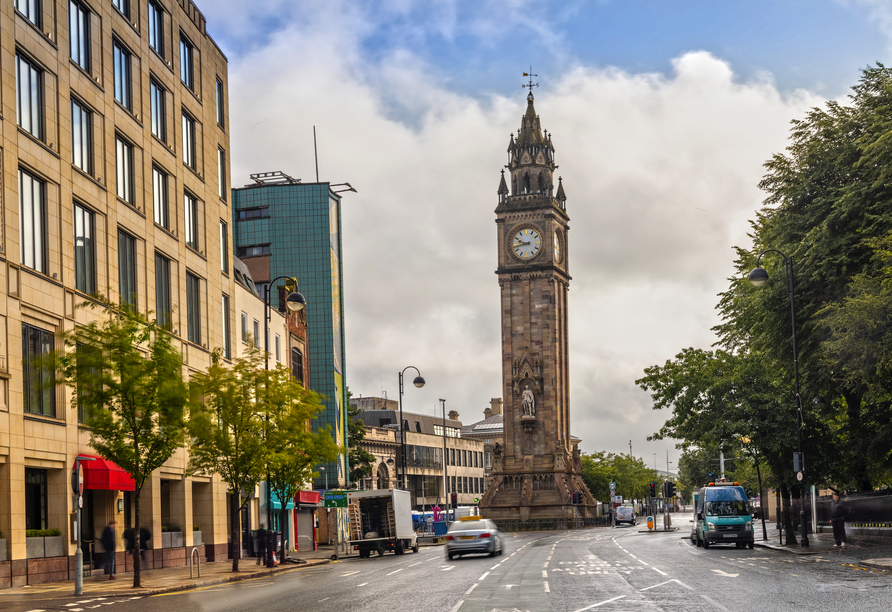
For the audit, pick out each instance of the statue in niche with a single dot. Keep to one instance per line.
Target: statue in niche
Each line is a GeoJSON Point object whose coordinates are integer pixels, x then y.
{"type": "Point", "coordinates": [497, 450]}
{"type": "Point", "coordinates": [528, 403]}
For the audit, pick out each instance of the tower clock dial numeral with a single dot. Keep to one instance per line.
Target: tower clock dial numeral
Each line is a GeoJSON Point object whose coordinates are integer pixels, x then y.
{"type": "Point", "coordinates": [527, 243]}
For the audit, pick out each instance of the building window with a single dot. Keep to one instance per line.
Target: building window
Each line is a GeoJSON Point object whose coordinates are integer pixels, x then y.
{"type": "Point", "coordinates": [127, 268]}
{"type": "Point", "coordinates": [122, 75]}
{"type": "Point", "coordinates": [227, 345]}
{"type": "Point", "coordinates": [124, 169]}
{"type": "Point", "coordinates": [162, 291]}
{"type": "Point", "coordinates": [451, 456]}
{"type": "Point", "coordinates": [29, 96]}
{"type": "Point", "coordinates": [30, 9]}
{"type": "Point", "coordinates": [487, 460]}
{"type": "Point", "coordinates": [220, 96]}
{"type": "Point", "coordinates": [476, 460]}
{"type": "Point", "coordinates": [189, 141]}
{"type": "Point", "coordinates": [245, 327]}
{"type": "Point", "coordinates": [123, 6]}
{"type": "Point", "coordinates": [278, 349]}
{"type": "Point", "coordinates": [81, 137]}
{"type": "Point", "coordinates": [193, 308]}
{"type": "Point", "coordinates": [221, 173]}
{"type": "Point", "coordinates": [464, 458]}
{"type": "Point", "coordinates": [438, 430]}
{"type": "Point", "coordinates": [250, 251]}
{"type": "Point", "coordinates": [297, 364]}
{"type": "Point", "coordinates": [156, 27]}
{"type": "Point", "coordinates": [465, 488]}
{"type": "Point", "coordinates": [190, 210]}
{"type": "Point", "coordinates": [84, 250]}
{"type": "Point", "coordinates": [453, 490]}
{"type": "Point", "coordinates": [79, 34]}
{"type": "Point", "coordinates": [38, 377]}
{"type": "Point", "coordinates": [224, 247]}
{"type": "Point", "coordinates": [159, 197]}
{"type": "Point", "coordinates": [253, 213]}
{"type": "Point", "coordinates": [187, 67]}
{"type": "Point", "coordinates": [256, 334]}
{"type": "Point", "coordinates": [159, 112]}
{"type": "Point", "coordinates": [32, 221]}
{"type": "Point", "coordinates": [35, 499]}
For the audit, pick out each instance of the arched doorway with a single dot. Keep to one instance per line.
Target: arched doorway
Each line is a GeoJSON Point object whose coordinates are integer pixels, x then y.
{"type": "Point", "coordinates": [383, 476]}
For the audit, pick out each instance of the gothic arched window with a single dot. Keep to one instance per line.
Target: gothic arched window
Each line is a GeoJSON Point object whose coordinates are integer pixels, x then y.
{"type": "Point", "coordinates": [541, 184]}
{"type": "Point", "coordinates": [514, 185]}
{"type": "Point", "coordinates": [526, 182]}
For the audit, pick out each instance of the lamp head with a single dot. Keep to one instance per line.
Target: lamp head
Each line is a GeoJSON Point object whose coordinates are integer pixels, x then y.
{"type": "Point", "coordinates": [295, 301]}
{"type": "Point", "coordinates": [418, 382]}
{"type": "Point", "coordinates": [818, 401]}
{"type": "Point", "coordinates": [758, 277]}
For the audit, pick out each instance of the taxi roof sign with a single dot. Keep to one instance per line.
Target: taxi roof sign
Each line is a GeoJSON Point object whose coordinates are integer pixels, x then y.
{"type": "Point", "coordinates": [470, 518]}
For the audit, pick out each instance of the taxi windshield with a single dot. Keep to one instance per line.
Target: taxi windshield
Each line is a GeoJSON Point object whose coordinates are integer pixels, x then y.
{"type": "Point", "coordinates": [727, 508]}
{"type": "Point", "coordinates": [467, 525]}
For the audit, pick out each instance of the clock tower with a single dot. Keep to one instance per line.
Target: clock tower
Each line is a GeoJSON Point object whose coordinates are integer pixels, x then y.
{"type": "Point", "coordinates": [537, 470]}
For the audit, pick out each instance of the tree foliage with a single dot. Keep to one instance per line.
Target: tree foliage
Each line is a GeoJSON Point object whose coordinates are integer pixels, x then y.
{"type": "Point", "coordinates": [361, 460]}
{"type": "Point", "coordinates": [631, 476]}
{"type": "Point", "coordinates": [128, 382]}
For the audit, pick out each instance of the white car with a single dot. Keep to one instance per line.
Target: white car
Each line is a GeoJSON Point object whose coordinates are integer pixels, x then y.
{"type": "Point", "coordinates": [473, 534]}
{"type": "Point", "coordinates": [625, 514]}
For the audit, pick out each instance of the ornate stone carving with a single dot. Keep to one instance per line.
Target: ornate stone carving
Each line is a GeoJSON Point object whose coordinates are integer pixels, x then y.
{"type": "Point", "coordinates": [528, 403]}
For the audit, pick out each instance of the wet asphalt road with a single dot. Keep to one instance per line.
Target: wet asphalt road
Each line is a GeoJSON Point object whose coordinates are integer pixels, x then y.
{"type": "Point", "coordinates": [598, 569]}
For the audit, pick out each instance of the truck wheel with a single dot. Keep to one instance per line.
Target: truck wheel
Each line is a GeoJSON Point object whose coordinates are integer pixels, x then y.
{"type": "Point", "coordinates": [415, 548]}
{"type": "Point", "coordinates": [750, 544]}
{"type": "Point", "coordinates": [398, 548]}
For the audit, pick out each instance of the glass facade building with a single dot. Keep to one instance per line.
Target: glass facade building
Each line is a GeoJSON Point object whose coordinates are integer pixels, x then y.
{"type": "Point", "coordinates": [294, 229]}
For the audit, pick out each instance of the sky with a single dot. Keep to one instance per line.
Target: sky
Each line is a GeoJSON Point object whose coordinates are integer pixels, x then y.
{"type": "Point", "coordinates": [661, 113]}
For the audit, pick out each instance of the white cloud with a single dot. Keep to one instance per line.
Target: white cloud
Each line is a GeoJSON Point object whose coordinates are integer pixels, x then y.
{"type": "Point", "coordinates": [661, 173]}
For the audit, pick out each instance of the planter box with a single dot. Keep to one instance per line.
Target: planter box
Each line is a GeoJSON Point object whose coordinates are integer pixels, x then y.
{"type": "Point", "coordinates": [2, 550]}
{"type": "Point", "coordinates": [34, 548]}
{"type": "Point", "coordinates": [54, 547]}
{"type": "Point", "coordinates": [165, 539]}
{"type": "Point", "coordinates": [196, 538]}
{"type": "Point", "coordinates": [177, 540]}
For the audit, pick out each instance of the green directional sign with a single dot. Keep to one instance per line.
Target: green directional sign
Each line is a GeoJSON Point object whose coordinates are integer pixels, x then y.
{"type": "Point", "coordinates": [334, 499]}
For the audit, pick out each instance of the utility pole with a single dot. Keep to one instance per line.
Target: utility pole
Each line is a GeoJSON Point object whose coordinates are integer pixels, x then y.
{"type": "Point", "coordinates": [721, 464]}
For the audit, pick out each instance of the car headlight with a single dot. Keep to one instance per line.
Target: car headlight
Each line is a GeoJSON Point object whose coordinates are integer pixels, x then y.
{"type": "Point", "coordinates": [748, 526]}
{"type": "Point", "coordinates": [710, 526]}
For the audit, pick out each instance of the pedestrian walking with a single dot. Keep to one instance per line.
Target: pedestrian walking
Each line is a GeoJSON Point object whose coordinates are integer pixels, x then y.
{"type": "Point", "coordinates": [838, 511]}
{"type": "Point", "coordinates": [261, 545]}
{"type": "Point", "coordinates": [144, 536]}
{"type": "Point", "coordinates": [108, 541]}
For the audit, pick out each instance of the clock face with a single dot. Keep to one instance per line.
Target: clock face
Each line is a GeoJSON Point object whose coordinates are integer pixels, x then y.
{"type": "Point", "coordinates": [557, 246]}
{"type": "Point", "coordinates": [526, 243]}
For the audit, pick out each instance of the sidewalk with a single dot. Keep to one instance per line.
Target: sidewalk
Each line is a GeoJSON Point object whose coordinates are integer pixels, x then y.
{"type": "Point", "coordinates": [867, 551]}
{"type": "Point", "coordinates": [165, 580]}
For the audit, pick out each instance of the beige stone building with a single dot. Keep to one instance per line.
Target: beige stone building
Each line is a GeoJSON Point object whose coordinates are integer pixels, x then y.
{"type": "Point", "coordinates": [115, 157]}
{"type": "Point", "coordinates": [490, 431]}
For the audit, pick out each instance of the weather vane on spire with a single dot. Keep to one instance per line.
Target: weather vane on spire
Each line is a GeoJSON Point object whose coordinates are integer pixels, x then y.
{"type": "Point", "coordinates": [530, 85]}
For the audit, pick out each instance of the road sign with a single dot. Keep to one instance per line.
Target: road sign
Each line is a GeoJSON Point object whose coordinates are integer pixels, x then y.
{"type": "Point", "coordinates": [334, 499]}
{"type": "Point", "coordinates": [613, 486]}
{"type": "Point", "coordinates": [799, 476]}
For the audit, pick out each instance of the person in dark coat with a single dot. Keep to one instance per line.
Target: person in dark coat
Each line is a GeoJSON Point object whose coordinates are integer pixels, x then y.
{"type": "Point", "coordinates": [109, 543]}
{"type": "Point", "coordinates": [261, 545]}
{"type": "Point", "coordinates": [144, 536]}
{"type": "Point", "coordinates": [838, 520]}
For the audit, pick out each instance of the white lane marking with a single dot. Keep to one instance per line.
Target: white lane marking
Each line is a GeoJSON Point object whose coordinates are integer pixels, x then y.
{"type": "Point", "coordinates": [633, 556]}
{"type": "Point", "coordinates": [457, 606]}
{"type": "Point", "coordinates": [495, 566]}
{"type": "Point", "coordinates": [544, 574]}
{"type": "Point", "coordinates": [363, 584]}
{"type": "Point", "coordinates": [473, 586]}
{"type": "Point", "coordinates": [549, 557]}
{"type": "Point", "coordinates": [36, 610]}
{"type": "Point", "coordinates": [599, 604]}
{"type": "Point", "coordinates": [546, 564]}
{"type": "Point", "coordinates": [667, 582]}
{"type": "Point", "coordinates": [326, 599]}
{"type": "Point", "coordinates": [723, 573]}
{"type": "Point", "coordinates": [547, 590]}
{"type": "Point", "coordinates": [659, 571]}
{"type": "Point", "coordinates": [446, 568]}
{"type": "Point", "coordinates": [395, 571]}
{"type": "Point", "coordinates": [351, 573]}
{"type": "Point", "coordinates": [644, 562]}
{"type": "Point", "coordinates": [414, 564]}
{"type": "Point", "coordinates": [483, 576]}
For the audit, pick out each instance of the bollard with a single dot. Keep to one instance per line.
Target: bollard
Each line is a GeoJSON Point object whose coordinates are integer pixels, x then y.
{"type": "Point", "coordinates": [197, 557]}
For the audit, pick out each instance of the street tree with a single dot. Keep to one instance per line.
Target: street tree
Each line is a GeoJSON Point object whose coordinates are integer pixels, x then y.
{"type": "Point", "coordinates": [630, 474]}
{"type": "Point", "coordinates": [292, 447]}
{"type": "Point", "coordinates": [227, 425]}
{"type": "Point", "coordinates": [361, 460]}
{"type": "Point", "coordinates": [128, 383]}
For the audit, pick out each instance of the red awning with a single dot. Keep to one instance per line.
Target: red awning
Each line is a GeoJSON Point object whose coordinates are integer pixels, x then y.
{"type": "Point", "coordinates": [307, 497]}
{"type": "Point", "coordinates": [105, 475]}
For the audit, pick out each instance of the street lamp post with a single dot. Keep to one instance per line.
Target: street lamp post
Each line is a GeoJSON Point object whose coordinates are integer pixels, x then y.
{"type": "Point", "coordinates": [78, 486]}
{"type": "Point", "coordinates": [294, 302]}
{"type": "Point", "coordinates": [418, 382]}
{"type": "Point", "coordinates": [759, 277]}
{"type": "Point", "coordinates": [445, 463]}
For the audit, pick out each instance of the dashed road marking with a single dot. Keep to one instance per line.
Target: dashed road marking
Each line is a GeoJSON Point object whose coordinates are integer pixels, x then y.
{"type": "Point", "coordinates": [394, 572]}
{"type": "Point", "coordinates": [446, 568]}
{"type": "Point", "coordinates": [596, 605]}
{"type": "Point", "coordinates": [485, 574]}
{"type": "Point", "coordinates": [544, 574]}
{"type": "Point", "coordinates": [659, 571]}
{"type": "Point", "coordinates": [350, 573]}
{"type": "Point", "coordinates": [324, 599]}
{"type": "Point", "coordinates": [547, 590]}
{"type": "Point", "coordinates": [473, 586]}
{"type": "Point", "coordinates": [363, 584]}
{"type": "Point", "coordinates": [457, 606]}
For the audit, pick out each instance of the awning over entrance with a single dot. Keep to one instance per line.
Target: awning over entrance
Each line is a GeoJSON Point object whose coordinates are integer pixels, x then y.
{"type": "Point", "coordinates": [104, 475]}
{"type": "Point", "coordinates": [277, 504]}
{"type": "Point", "coordinates": [307, 500]}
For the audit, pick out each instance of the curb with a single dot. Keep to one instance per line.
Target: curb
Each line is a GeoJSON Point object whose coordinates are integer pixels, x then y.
{"type": "Point", "coordinates": [148, 592]}
{"type": "Point", "coordinates": [880, 567]}
{"type": "Point", "coordinates": [790, 551]}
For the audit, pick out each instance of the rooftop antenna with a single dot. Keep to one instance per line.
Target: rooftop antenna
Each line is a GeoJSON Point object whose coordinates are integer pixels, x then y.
{"type": "Point", "coordinates": [530, 85]}
{"type": "Point", "coordinates": [316, 153]}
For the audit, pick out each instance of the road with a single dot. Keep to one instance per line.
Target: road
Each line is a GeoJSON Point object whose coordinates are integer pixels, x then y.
{"type": "Point", "coordinates": [568, 571]}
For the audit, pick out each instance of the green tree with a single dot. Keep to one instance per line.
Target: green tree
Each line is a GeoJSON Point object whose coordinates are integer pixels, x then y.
{"type": "Point", "coordinates": [227, 426]}
{"type": "Point", "coordinates": [128, 382]}
{"type": "Point", "coordinates": [293, 448]}
{"type": "Point", "coordinates": [631, 476]}
{"type": "Point", "coordinates": [361, 460]}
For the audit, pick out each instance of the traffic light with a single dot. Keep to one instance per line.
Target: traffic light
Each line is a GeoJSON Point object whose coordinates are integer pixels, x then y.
{"type": "Point", "coordinates": [670, 489]}
{"type": "Point", "coordinates": [575, 497]}
{"type": "Point", "coordinates": [476, 499]}
{"type": "Point", "coordinates": [454, 500]}
{"type": "Point", "coordinates": [653, 489]}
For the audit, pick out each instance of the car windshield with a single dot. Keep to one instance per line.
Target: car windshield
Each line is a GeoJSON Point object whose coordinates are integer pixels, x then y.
{"type": "Point", "coordinates": [467, 525]}
{"type": "Point", "coordinates": [727, 508]}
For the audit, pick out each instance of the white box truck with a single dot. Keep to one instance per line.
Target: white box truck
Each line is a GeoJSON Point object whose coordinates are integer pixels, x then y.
{"type": "Point", "coordinates": [380, 520]}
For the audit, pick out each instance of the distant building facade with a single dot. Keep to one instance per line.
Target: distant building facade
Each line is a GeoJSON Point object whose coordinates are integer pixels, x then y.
{"type": "Point", "coordinates": [285, 227]}
{"type": "Point", "coordinates": [490, 431]}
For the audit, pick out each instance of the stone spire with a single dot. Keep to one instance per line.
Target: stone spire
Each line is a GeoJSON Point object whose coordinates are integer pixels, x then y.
{"type": "Point", "coordinates": [530, 160]}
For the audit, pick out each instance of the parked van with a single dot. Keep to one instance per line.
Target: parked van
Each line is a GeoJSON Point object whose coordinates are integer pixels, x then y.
{"type": "Point", "coordinates": [723, 515]}
{"type": "Point", "coordinates": [625, 514]}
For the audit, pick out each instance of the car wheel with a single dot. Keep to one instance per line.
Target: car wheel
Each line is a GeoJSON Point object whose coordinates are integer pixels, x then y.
{"type": "Point", "coordinates": [750, 545]}
{"type": "Point", "coordinates": [450, 555]}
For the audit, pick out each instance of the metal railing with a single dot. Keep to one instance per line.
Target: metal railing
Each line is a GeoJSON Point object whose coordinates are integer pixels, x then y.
{"type": "Point", "coordinates": [197, 556]}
